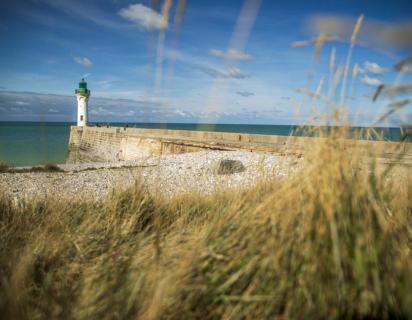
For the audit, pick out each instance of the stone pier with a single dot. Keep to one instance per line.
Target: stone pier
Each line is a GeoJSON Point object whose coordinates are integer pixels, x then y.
{"type": "Point", "coordinates": [111, 144]}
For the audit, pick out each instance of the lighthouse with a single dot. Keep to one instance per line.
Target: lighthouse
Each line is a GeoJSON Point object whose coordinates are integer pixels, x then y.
{"type": "Point", "coordinates": [82, 94]}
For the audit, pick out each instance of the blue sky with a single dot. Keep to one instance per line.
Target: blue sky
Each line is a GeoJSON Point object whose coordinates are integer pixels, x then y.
{"type": "Point", "coordinates": [226, 62]}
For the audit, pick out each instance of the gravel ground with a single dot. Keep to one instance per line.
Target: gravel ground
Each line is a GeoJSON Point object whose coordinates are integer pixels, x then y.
{"type": "Point", "coordinates": [165, 175]}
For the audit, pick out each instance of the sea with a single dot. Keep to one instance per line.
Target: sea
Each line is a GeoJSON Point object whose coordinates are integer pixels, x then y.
{"type": "Point", "coordinates": [40, 143]}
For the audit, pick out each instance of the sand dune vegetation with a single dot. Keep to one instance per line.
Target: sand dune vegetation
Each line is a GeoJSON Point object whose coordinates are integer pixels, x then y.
{"type": "Point", "coordinates": [332, 241]}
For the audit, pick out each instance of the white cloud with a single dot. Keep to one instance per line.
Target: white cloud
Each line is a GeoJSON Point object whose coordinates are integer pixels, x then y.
{"type": "Point", "coordinates": [181, 113]}
{"type": "Point", "coordinates": [144, 17]}
{"type": "Point", "coordinates": [83, 61]}
{"type": "Point", "coordinates": [407, 69]}
{"type": "Point", "coordinates": [22, 103]}
{"type": "Point", "coordinates": [374, 68]}
{"type": "Point", "coordinates": [245, 93]}
{"type": "Point", "coordinates": [371, 81]}
{"type": "Point", "coordinates": [230, 54]}
{"type": "Point", "coordinates": [232, 72]}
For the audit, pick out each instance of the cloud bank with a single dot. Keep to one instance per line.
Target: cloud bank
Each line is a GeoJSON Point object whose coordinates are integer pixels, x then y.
{"type": "Point", "coordinates": [30, 106]}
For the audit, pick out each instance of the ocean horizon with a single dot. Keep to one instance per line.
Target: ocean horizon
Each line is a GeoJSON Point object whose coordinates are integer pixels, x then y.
{"type": "Point", "coordinates": [24, 143]}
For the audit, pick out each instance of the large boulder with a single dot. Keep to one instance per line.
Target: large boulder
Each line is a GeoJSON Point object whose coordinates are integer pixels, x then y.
{"type": "Point", "coordinates": [227, 166]}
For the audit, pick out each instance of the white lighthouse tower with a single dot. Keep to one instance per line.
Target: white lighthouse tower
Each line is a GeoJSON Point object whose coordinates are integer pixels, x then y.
{"type": "Point", "coordinates": [83, 95]}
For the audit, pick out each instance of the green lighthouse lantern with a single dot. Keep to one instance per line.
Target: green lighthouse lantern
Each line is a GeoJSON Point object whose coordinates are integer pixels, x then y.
{"type": "Point", "coordinates": [83, 88]}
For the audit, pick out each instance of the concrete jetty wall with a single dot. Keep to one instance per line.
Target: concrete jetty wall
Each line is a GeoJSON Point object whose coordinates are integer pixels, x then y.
{"type": "Point", "coordinates": [110, 144]}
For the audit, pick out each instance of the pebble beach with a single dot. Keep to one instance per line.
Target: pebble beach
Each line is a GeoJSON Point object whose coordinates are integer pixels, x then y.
{"type": "Point", "coordinates": [166, 175]}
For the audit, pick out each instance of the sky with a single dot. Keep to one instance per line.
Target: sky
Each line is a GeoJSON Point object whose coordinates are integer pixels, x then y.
{"type": "Point", "coordinates": [213, 61]}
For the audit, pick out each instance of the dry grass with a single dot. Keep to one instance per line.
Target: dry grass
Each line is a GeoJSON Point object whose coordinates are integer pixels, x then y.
{"type": "Point", "coordinates": [334, 241]}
